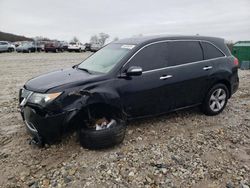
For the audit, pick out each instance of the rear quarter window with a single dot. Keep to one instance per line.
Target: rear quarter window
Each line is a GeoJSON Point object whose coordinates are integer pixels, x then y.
{"type": "Point", "coordinates": [182, 52]}
{"type": "Point", "coordinates": [210, 51]}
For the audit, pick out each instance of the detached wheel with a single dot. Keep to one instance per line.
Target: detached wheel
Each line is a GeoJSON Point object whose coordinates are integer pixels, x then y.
{"type": "Point", "coordinates": [216, 100]}
{"type": "Point", "coordinates": [105, 138]}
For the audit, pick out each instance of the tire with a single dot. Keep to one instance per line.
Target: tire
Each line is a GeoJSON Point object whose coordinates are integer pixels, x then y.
{"type": "Point", "coordinates": [10, 50]}
{"type": "Point", "coordinates": [213, 103]}
{"type": "Point", "coordinates": [93, 139]}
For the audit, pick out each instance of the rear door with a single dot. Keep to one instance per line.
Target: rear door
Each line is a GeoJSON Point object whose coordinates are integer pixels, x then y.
{"type": "Point", "coordinates": [189, 73]}
{"type": "Point", "coordinates": [217, 59]}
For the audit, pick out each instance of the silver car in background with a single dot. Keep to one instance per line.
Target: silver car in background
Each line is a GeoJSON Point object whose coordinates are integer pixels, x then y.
{"type": "Point", "coordinates": [7, 47]}
{"type": "Point", "coordinates": [94, 47]}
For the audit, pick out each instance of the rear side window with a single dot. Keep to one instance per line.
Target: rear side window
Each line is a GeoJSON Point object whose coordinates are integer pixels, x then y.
{"type": "Point", "coordinates": [211, 51]}
{"type": "Point", "coordinates": [154, 56]}
{"type": "Point", "coordinates": [181, 52]}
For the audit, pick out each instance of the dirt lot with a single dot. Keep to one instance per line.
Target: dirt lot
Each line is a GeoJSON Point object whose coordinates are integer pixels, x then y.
{"type": "Point", "coordinates": [182, 149]}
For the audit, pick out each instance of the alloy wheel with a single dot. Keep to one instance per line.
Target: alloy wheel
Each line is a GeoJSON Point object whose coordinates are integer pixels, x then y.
{"type": "Point", "coordinates": [217, 100]}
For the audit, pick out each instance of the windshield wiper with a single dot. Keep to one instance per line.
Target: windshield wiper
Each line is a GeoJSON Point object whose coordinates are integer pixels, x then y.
{"type": "Point", "coordinates": [86, 70]}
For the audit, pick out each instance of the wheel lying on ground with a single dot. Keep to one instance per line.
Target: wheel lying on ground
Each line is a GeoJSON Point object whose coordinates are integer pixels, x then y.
{"type": "Point", "coordinates": [103, 138]}
{"type": "Point", "coordinates": [216, 100]}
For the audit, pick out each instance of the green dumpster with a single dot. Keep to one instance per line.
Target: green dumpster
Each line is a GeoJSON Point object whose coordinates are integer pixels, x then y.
{"type": "Point", "coordinates": [241, 50]}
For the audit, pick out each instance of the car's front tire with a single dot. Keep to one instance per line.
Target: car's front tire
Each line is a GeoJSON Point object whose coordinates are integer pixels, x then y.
{"type": "Point", "coordinates": [100, 139]}
{"type": "Point", "coordinates": [215, 100]}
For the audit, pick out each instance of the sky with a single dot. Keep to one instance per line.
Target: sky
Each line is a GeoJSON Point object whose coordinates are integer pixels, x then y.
{"type": "Point", "coordinates": [64, 19]}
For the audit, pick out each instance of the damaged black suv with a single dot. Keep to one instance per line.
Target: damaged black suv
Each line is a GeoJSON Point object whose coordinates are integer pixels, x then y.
{"type": "Point", "coordinates": [128, 79]}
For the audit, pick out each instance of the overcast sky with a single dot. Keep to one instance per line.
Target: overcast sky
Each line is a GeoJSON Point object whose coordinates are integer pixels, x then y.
{"type": "Point", "coordinates": [64, 19]}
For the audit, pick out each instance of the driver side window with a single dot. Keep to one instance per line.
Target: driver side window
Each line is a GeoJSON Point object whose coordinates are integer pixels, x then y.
{"type": "Point", "coordinates": [151, 57]}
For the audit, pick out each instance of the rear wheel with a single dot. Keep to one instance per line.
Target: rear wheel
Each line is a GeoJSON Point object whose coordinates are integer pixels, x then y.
{"type": "Point", "coordinates": [216, 100]}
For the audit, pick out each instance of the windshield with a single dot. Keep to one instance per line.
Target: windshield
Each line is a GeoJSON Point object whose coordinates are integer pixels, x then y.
{"type": "Point", "coordinates": [106, 58]}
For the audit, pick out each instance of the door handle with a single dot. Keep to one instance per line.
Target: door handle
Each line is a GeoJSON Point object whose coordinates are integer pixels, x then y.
{"type": "Point", "coordinates": [207, 67]}
{"type": "Point", "coordinates": [165, 77]}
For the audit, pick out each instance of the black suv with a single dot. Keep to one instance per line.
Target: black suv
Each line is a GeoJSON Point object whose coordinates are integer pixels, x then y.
{"type": "Point", "coordinates": [128, 79]}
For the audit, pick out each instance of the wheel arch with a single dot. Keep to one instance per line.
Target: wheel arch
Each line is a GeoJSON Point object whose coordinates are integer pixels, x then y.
{"type": "Point", "coordinates": [227, 84]}
{"type": "Point", "coordinates": [97, 110]}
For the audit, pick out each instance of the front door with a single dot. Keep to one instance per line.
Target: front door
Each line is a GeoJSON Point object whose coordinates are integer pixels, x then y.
{"type": "Point", "coordinates": [143, 95]}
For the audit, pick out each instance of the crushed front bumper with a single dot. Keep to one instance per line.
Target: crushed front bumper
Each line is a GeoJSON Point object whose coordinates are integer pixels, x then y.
{"type": "Point", "coordinates": [43, 127]}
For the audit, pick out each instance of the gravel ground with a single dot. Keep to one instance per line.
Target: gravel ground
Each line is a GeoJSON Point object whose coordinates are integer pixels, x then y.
{"type": "Point", "coordinates": [181, 149]}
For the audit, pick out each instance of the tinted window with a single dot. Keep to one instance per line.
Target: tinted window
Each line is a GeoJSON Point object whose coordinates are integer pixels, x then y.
{"type": "Point", "coordinates": [181, 52]}
{"type": "Point", "coordinates": [151, 57]}
{"type": "Point", "coordinates": [210, 51]}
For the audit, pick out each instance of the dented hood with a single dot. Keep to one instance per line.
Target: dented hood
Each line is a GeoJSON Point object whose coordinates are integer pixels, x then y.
{"type": "Point", "coordinates": [51, 80]}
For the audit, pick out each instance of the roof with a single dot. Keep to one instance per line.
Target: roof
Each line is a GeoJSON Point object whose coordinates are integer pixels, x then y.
{"type": "Point", "coordinates": [143, 40]}
{"type": "Point", "coordinates": [242, 43]}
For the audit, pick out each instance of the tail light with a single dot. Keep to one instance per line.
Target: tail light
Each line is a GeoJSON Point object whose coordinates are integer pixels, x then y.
{"type": "Point", "coordinates": [236, 61]}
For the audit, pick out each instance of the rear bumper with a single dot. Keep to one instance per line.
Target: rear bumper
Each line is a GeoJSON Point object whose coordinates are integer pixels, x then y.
{"type": "Point", "coordinates": [234, 82]}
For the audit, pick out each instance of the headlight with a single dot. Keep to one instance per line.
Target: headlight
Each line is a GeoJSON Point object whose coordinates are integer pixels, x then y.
{"type": "Point", "coordinates": [43, 99]}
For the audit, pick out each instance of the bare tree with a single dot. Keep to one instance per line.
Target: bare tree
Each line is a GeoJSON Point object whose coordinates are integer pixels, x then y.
{"type": "Point", "coordinates": [230, 44]}
{"type": "Point", "coordinates": [75, 39]}
{"type": "Point", "coordinates": [116, 39]}
{"type": "Point", "coordinates": [94, 39]}
{"type": "Point", "coordinates": [101, 38]}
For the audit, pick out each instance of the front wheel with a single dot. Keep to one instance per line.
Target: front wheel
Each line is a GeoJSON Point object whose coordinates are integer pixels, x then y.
{"type": "Point", "coordinates": [216, 100]}
{"type": "Point", "coordinates": [11, 50]}
{"type": "Point", "coordinates": [100, 136]}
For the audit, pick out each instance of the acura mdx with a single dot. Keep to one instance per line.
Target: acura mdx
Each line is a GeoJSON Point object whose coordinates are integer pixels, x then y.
{"type": "Point", "coordinates": [128, 79]}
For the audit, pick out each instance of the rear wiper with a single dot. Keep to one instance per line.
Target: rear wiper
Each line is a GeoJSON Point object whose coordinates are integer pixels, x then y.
{"type": "Point", "coordinates": [86, 70]}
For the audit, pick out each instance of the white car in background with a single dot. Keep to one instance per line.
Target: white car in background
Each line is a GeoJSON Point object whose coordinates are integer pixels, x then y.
{"type": "Point", "coordinates": [7, 47]}
{"type": "Point", "coordinates": [76, 47]}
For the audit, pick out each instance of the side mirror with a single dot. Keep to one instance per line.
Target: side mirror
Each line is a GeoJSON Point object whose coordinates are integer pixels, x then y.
{"type": "Point", "coordinates": [134, 71]}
